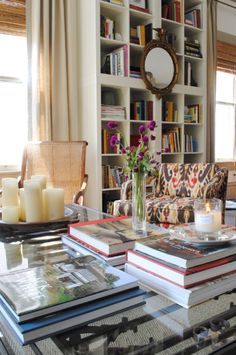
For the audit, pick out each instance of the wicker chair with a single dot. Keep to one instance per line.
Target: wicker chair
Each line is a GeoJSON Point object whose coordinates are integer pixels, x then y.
{"type": "Point", "coordinates": [63, 164]}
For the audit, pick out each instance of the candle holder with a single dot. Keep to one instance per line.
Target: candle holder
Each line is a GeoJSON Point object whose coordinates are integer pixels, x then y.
{"type": "Point", "coordinates": [208, 215]}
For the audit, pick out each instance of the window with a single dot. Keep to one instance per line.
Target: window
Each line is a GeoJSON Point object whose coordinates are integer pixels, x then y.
{"type": "Point", "coordinates": [13, 92]}
{"type": "Point", "coordinates": [13, 102]}
{"type": "Point", "coordinates": [225, 119]}
{"type": "Point", "coordinates": [225, 128]}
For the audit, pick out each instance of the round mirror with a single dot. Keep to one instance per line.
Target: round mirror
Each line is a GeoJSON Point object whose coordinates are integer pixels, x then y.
{"type": "Point", "coordinates": [159, 66]}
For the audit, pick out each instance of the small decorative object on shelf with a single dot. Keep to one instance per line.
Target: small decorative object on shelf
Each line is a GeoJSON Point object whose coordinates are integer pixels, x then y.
{"type": "Point", "coordinates": [207, 214]}
{"type": "Point", "coordinates": [140, 161]}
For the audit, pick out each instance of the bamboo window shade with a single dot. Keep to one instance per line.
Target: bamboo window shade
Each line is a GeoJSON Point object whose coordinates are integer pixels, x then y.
{"type": "Point", "coordinates": [13, 17]}
{"type": "Point", "coordinates": [226, 57]}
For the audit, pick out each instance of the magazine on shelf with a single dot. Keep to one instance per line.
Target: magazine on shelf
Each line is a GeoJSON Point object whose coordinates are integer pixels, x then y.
{"type": "Point", "coordinates": [182, 254]}
{"type": "Point", "coordinates": [181, 276]}
{"type": "Point", "coordinates": [46, 289]}
{"type": "Point", "coordinates": [44, 327]}
{"type": "Point", "coordinates": [185, 297]}
{"type": "Point", "coordinates": [72, 244]}
{"type": "Point", "coordinates": [109, 237]}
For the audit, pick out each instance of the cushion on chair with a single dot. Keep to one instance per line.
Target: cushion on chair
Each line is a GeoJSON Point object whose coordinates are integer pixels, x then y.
{"type": "Point", "coordinates": [163, 209]}
{"type": "Point", "coordinates": [186, 180]}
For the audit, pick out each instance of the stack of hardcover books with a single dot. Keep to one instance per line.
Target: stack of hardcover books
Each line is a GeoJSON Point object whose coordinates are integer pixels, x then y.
{"type": "Point", "coordinates": [185, 273]}
{"type": "Point", "coordinates": [49, 297]}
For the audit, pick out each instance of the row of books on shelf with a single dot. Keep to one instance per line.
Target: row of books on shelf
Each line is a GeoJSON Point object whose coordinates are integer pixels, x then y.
{"type": "Point", "coordinates": [60, 289]}
{"type": "Point", "coordinates": [141, 110]}
{"type": "Point", "coordinates": [169, 112]}
{"type": "Point", "coordinates": [190, 144]}
{"type": "Point", "coordinates": [141, 34]}
{"type": "Point", "coordinates": [116, 62]}
{"type": "Point", "coordinates": [171, 141]}
{"type": "Point", "coordinates": [193, 17]}
{"type": "Point", "coordinates": [112, 176]}
{"type": "Point", "coordinates": [107, 27]}
{"type": "Point", "coordinates": [171, 10]}
{"type": "Point", "coordinates": [113, 112]}
{"type": "Point", "coordinates": [188, 74]}
{"type": "Point", "coordinates": [192, 48]}
{"type": "Point", "coordinates": [106, 147]}
{"type": "Point", "coordinates": [186, 273]}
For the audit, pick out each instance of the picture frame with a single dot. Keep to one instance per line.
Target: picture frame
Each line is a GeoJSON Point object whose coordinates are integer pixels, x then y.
{"type": "Point", "coordinates": [138, 3]}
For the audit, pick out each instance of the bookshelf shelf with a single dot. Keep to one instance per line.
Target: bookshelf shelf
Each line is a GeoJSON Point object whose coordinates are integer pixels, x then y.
{"type": "Point", "coordinates": [127, 92]}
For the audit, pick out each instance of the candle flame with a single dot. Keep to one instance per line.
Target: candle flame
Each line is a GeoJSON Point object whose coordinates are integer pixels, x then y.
{"type": "Point", "coordinates": [208, 209]}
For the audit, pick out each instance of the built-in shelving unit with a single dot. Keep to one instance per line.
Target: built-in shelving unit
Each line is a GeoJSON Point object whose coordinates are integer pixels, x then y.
{"type": "Point", "coordinates": [110, 79]}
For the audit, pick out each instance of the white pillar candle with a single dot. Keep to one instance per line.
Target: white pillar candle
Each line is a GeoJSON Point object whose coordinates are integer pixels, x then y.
{"type": "Point", "coordinates": [22, 205]}
{"type": "Point", "coordinates": [42, 179]}
{"type": "Point", "coordinates": [33, 201]}
{"type": "Point", "coordinates": [53, 199]}
{"type": "Point", "coordinates": [208, 221]}
{"type": "Point", "coordinates": [9, 192]}
{"type": "Point", "coordinates": [10, 214]}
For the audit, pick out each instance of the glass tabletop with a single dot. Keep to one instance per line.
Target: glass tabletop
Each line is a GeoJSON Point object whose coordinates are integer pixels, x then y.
{"type": "Point", "coordinates": [157, 327]}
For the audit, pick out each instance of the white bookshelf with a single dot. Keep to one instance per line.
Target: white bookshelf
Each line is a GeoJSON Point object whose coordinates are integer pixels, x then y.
{"type": "Point", "coordinates": [95, 85]}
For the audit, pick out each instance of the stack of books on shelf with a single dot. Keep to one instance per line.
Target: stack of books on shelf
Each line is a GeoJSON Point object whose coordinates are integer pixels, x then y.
{"type": "Point", "coordinates": [112, 177]}
{"type": "Point", "coordinates": [170, 113]}
{"type": "Point", "coordinates": [113, 112]}
{"type": "Point", "coordinates": [141, 110]}
{"type": "Point", "coordinates": [55, 296]}
{"type": "Point", "coordinates": [141, 34]}
{"type": "Point", "coordinates": [171, 140]}
{"type": "Point", "coordinates": [116, 62]}
{"type": "Point", "coordinates": [107, 27]}
{"type": "Point", "coordinates": [187, 274]}
{"type": "Point", "coordinates": [171, 10]}
{"type": "Point", "coordinates": [192, 17]}
{"type": "Point", "coordinates": [192, 113]}
{"type": "Point", "coordinates": [192, 48]}
{"type": "Point", "coordinates": [190, 144]}
{"type": "Point", "coordinates": [135, 72]}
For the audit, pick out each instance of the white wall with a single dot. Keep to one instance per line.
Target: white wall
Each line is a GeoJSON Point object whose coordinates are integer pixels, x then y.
{"type": "Point", "coordinates": [226, 18]}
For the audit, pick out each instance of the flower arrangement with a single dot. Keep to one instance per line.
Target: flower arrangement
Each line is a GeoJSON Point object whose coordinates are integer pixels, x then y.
{"type": "Point", "coordinates": [138, 158]}
{"type": "Point", "coordinates": [140, 162]}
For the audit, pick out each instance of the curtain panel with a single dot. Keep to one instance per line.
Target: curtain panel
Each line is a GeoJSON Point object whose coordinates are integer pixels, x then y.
{"type": "Point", "coordinates": [53, 70]}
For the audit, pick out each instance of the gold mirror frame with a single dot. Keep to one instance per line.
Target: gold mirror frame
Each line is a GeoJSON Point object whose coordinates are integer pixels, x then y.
{"type": "Point", "coordinates": [159, 42]}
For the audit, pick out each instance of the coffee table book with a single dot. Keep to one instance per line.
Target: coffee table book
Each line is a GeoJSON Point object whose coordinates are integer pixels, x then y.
{"type": "Point", "coordinates": [180, 276]}
{"type": "Point", "coordinates": [74, 247]}
{"type": "Point", "coordinates": [182, 254]}
{"type": "Point", "coordinates": [185, 297]}
{"type": "Point", "coordinates": [39, 328]}
{"type": "Point", "coordinates": [49, 288]}
{"type": "Point", "coordinates": [111, 236]}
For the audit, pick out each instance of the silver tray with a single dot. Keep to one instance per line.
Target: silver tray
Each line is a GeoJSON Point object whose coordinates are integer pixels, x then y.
{"type": "Point", "coordinates": [189, 234]}
{"type": "Point", "coordinates": [22, 229]}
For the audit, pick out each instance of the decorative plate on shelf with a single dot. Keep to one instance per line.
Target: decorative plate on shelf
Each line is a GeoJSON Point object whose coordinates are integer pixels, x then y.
{"type": "Point", "coordinates": [19, 230]}
{"type": "Point", "coordinates": [189, 234]}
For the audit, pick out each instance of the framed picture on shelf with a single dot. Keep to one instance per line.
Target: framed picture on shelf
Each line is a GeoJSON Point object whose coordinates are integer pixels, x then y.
{"type": "Point", "coordinates": [138, 3]}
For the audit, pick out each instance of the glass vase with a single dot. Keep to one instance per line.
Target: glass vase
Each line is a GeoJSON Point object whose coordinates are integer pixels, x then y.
{"type": "Point", "coordinates": [138, 202]}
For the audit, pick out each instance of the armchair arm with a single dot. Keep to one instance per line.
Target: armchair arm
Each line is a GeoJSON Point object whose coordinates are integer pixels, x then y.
{"type": "Point", "coordinates": [126, 190]}
{"type": "Point", "coordinates": [79, 196]}
{"type": "Point", "coordinates": [217, 187]}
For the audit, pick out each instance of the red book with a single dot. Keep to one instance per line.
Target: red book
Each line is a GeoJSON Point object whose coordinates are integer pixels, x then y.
{"type": "Point", "coordinates": [138, 8]}
{"type": "Point", "coordinates": [180, 276]}
{"type": "Point", "coordinates": [110, 236]}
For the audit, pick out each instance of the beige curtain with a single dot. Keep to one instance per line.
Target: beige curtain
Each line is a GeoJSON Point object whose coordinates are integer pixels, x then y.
{"type": "Point", "coordinates": [211, 78]}
{"type": "Point", "coordinates": [53, 75]}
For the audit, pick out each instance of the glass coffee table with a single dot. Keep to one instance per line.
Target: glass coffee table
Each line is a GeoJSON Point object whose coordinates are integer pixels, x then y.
{"type": "Point", "coordinates": [158, 326]}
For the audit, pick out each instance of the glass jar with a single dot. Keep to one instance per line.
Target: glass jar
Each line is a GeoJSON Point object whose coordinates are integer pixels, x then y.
{"type": "Point", "coordinates": [208, 215]}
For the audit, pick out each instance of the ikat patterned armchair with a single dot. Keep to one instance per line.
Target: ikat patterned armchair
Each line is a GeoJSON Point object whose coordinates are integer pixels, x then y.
{"type": "Point", "coordinates": [174, 192]}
